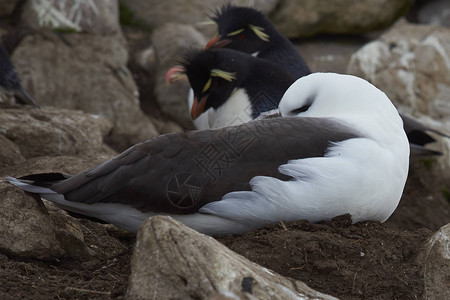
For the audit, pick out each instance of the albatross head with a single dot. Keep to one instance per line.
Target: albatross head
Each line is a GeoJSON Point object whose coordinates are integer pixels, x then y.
{"type": "Point", "coordinates": [352, 100]}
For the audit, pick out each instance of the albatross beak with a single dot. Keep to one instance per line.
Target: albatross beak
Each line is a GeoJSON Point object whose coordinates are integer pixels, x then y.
{"type": "Point", "coordinates": [198, 107]}
{"type": "Point", "coordinates": [216, 42]}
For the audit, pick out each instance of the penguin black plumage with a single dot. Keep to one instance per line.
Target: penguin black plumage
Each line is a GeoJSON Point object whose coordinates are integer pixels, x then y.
{"type": "Point", "coordinates": [248, 30]}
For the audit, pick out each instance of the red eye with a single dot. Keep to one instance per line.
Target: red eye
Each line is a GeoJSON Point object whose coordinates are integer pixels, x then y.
{"type": "Point", "coordinates": [241, 37]}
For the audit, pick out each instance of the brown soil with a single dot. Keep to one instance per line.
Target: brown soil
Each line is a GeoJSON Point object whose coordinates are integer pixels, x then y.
{"type": "Point", "coordinates": [104, 276]}
{"type": "Point", "coordinates": [362, 261]}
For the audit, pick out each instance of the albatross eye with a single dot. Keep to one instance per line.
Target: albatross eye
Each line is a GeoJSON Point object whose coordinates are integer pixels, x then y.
{"type": "Point", "coordinates": [301, 109]}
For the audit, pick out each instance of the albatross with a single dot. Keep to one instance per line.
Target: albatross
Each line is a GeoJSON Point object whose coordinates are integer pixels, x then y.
{"type": "Point", "coordinates": [339, 148]}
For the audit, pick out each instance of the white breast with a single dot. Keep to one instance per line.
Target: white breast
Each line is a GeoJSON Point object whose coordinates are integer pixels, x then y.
{"type": "Point", "coordinates": [236, 110]}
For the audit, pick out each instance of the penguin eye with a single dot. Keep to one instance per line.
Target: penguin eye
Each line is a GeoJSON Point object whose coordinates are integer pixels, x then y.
{"type": "Point", "coordinates": [207, 85]}
{"type": "Point", "coordinates": [236, 32]}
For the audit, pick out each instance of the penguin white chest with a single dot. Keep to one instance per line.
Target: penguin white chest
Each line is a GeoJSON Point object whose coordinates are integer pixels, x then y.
{"type": "Point", "coordinates": [236, 110]}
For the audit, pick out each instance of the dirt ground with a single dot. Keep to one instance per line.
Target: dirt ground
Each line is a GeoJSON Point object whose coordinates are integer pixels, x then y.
{"type": "Point", "coordinates": [360, 261]}
{"type": "Point", "coordinates": [363, 261]}
{"type": "Point", "coordinates": [104, 276]}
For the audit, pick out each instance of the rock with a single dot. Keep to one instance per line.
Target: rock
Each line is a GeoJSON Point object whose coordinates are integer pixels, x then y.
{"type": "Point", "coordinates": [24, 229]}
{"type": "Point", "coordinates": [411, 64]}
{"type": "Point", "coordinates": [7, 98]}
{"type": "Point", "coordinates": [169, 42]}
{"type": "Point", "coordinates": [59, 164]}
{"type": "Point", "coordinates": [329, 53]}
{"type": "Point", "coordinates": [30, 132]}
{"type": "Point", "coordinates": [167, 126]}
{"type": "Point", "coordinates": [436, 265]}
{"type": "Point", "coordinates": [157, 13]}
{"type": "Point", "coordinates": [173, 261]}
{"type": "Point", "coordinates": [68, 233]}
{"type": "Point", "coordinates": [435, 12]}
{"type": "Point", "coordinates": [309, 17]}
{"type": "Point", "coordinates": [9, 153]}
{"type": "Point", "coordinates": [7, 7]}
{"type": "Point", "coordinates": [86, 72]}
{"type": "Point", "coordinates": [88, 16]}
{"type": "Point", "coordinates": [32, 231]}
{"type": "Point", "coordinates": [146, 59]}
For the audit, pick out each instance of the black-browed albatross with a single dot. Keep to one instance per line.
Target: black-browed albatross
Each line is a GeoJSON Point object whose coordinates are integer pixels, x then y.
{"type": "Point", "coordinates": [339, 148]}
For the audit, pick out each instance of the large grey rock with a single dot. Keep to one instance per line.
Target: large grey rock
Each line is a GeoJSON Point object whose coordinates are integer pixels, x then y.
{"type": "Point", "coordinates": [310, 17]}
{"type": "Point", "coordinates": [86, 72]}
{"type": "Point", "coordinates": [193, 12]}
{"type": "Point", "coordinates": [435, 260]}
{"type": "Point", "coordinates": [24, 229]}
{"type": "Point", "coordinates": [411, 64]}
{"type": "Point", "coordinates": [31, 230]}
{"type": "Point", "coordinates": [9, 152]}
{"type": "Point", "coordinates": [78, 15]}
{"type": "Point", "coordinates": [169, 43]}
{"type": "Point", "coordinates": [28, 132]}
{"type": "Point", "coordinates": [172, 261]}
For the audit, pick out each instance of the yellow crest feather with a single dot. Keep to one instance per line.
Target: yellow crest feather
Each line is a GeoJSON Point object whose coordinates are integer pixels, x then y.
{"type": "Point", "coordinates": [208, 22]}
{"type": "Point", "coordinates": [207, 85]}
{"type": "Point", "coordinates": [228, 76]}
{"type": "Point", "coordinates": [236, 32]}
{"type": "Point", "coordinates": [259, 31]}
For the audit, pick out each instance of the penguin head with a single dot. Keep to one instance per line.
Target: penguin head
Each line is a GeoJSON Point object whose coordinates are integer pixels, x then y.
{"type": "Point", "coordinates": [213, 75]}
{"type": "Point", "coordinates": [241, 28]}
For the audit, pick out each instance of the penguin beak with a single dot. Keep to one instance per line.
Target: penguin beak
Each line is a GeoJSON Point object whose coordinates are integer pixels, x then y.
{"type": "Point", "coordinates": [198, 107]}
{"type": "Point", "coordinates": [216, 42]}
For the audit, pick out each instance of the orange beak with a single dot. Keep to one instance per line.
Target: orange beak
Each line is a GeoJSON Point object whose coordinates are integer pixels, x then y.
{"type": "Point", "coordinates": [198, 107]}
{"type": "Point", "coordinates": [216, 42]}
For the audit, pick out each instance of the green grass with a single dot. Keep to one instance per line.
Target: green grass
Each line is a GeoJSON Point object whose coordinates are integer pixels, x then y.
{"type": "Point", "coordinates": [127, 18]}
{"type": "Point", "coordinates": [428, 163]}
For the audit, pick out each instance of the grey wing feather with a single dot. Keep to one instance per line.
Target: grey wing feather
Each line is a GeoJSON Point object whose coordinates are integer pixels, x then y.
{"type": "Point", "coordinates": [206, 164]}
